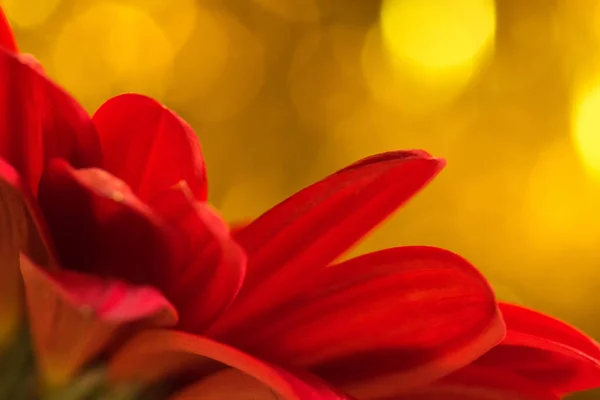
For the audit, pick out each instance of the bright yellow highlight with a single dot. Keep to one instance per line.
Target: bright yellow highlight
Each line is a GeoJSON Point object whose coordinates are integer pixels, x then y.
{"type": "Point", "coordinates": [437, 34]}
{"type": "Point", "coordinates": [424, 53]}
{"type": "Point", "coordinates": [28, 14]}
{"type": "Point", "coordinates": [587, 129]}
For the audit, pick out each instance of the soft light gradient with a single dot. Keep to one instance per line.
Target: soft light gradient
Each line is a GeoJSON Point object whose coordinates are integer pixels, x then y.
{"type": "Point", "coordinates": [283, 92]}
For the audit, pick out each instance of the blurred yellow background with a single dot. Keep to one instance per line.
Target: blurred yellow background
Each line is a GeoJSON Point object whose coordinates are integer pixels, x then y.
{"type": "Point", "coordinates": [282, 92]}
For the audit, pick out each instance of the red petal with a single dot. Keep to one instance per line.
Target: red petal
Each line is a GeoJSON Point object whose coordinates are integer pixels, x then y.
{"type": "Point", "coordinates": [155, 355]}
{"type": "Point", "coordinates": [546, 351]}
{"type": "Point", "coordinates": [288, 244]}
{"type": "Point", "coordinates": [480, 383]}
{"type": "Point", "coordinates": [226, 384]}
{"type": "Point", "coordinates": [530, 322]}
{"type": "Point", "coordinates": [18, 232]}
{"type": "Point", "coordinates": [149, 146]}
{"type": "Point", "coordinates": [211, 266]}
{"type": "Point", "coordinates": [39, 121]}
{"type": "Point", "coordinates": [7, 37]}
{"type": "Point", "coordinates": [100, 227]}
{"type": "Point", "coordinates": [385, 316]}
{"type": "Point", "coordinates": [74, 316]}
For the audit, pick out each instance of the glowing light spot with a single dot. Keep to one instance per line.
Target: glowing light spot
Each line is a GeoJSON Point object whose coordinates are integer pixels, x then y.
{"type": "Point", "coordinates": [586, 129]}
{"type": "Point", "coordinates": [414, 92]}
{"type": "Point", "coordinates": [30, 13]}
{"type": "Point", "coordinates": [424, 53]}
{"type": "Point", "coordinates": [117, 196]}
{"type": "Point", "coordinates": [437, 34]}
{"type": "Point", "coordinates": [131, 54]}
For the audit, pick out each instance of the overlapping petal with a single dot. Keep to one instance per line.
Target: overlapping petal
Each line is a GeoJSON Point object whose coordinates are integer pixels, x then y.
{"type": "Point", "coordinates": [149, 147]}
{"type": "Point", "coordinates": [210, 266]}
{"type": "Point", "coordinates": [383, 321]}
{"type": "Point", "coordinates": [74, 316]}
{"type": "Point", "coordinates": [19, 232]}
{"type": "Point", "coordinates": [161, 353]}
{"type": "Point", "coordinates": [296, 239]}
{"type": "Point", "coordinates": [481, 383]}
{"type": "Point", "coordinates": [39, 121]}
{"type": "Point", "coordinates": [99, 226]}
{"type": "Point", "coordinates": [226, 384]}
{"type": "Point", "coordinates": [545, 351]}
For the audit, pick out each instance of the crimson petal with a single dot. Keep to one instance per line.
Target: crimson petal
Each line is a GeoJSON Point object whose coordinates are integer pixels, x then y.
{"type": "Point", "coordinates": [480, 383]}
{"type": "Point", "coordinates": [74, 316]}
{"type": "Point", "coordinates": [156, 355]}
{"type": "Point", "coordinates": [19, 232]}
{"type": "Point", "coordinates": [100, 227]}
{"type": "Point", "coordinates": [226, 384]}
{"type": "Point", "coordinates": [407, 315]}
{"type": "Point", "coordinates": [39, 121]}
{"type": "Point", "coordinates": [546, 351]}
{"type": "Point", "coordinates": [211, 265]}
{"type": "Point", "coordinates": [530, 322]}
{"type": "Point", "coordinates": [149, 146]}
{"type": "Point", "coordinates": [294, 240]}
{"type": "Point", "coordinates": [7, 37]}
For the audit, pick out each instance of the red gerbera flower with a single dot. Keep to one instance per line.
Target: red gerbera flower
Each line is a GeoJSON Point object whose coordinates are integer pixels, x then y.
{"type": "Point", "coordinates": [104, 222]}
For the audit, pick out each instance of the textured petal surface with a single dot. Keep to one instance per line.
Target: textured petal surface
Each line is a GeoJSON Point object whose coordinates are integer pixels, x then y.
{"type": "Point", "coordinates": [292, 242]}
{"type": "Point", "coordinates": [210, 265]}
{"type": "Point", "coordinates": [100, 227]}
{"type": "Point", "coordinates": [19, 233]}
{"type": "Point", "coordinates": [480, 383]}
{"type": "Point", "coordinates": [407, 315]}
{"type": "Point", "coordinates": [39, 121]}
{"type": "Point", "coordinates": [74, 316]}
{"type": "Point", "coordinates": [7, 38]}
{"type": "Point", "coordinates": [227, 384]}
{"type": "Point", "coordinates": [546, 351]}
{"type": "Point", "coordinates": [149, 146]}
{"type": "Point", "coordinates": [158, 354]}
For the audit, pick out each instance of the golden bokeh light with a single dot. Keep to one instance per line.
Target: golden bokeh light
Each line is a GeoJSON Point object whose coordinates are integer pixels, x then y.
{"type": "Point", "coordinates": [28, 14]}
{"type": "Point", "coordinates": [396, 86]}
{"type": "Point", "coordinates": [559, 201]}
{"type": "Point", "coordinates": [586, 129]}
{"type": "Point", "coordinates": [299, 11]}
{"type": "Point", "coordinates": [437, 34]}
{"type": "Point", "coordinates": [319, 80]}
{"type": "Point", "coordinates": [205, 60]}
{"type": "Point", "coordinates": [284, 92]}
{"type": "Point", "coordinates": [223, 69]}
{"type": "Point", "coordinates": [177, 19]}
{"type": "Point", "coordinates": [558, 227]}
{"type": "Point", "coordinates": [132, 54]}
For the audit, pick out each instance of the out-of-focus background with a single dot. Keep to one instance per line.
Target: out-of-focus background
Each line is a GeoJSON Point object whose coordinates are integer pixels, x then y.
{"type": "Point", "coordinates": [283, 92]}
